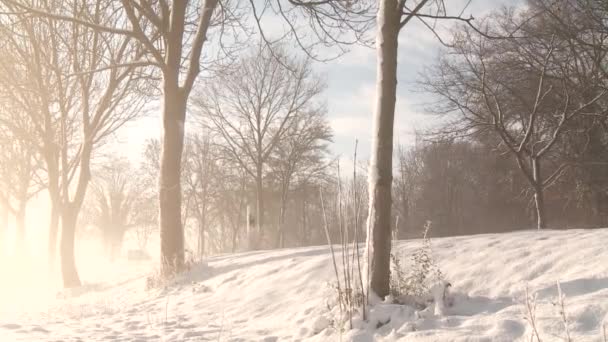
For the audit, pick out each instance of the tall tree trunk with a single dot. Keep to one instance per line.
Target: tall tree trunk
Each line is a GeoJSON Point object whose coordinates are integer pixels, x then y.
{"type": "Point", "coordinates": [68, 235]}
{"type": "Point", "coordinates": [235, 234]}
{"type": "Point", "coordinates": [3, 226]}
{"type": "Point", "coordinates": [539, 196]}
{"type": "Point", "coordinates": [248, 233]}
{"type": "Point", "coordinates": [539, 201]}
{"type": "Point", "coordinates": [20, 226]}
{"type": "Point", "coordinates": [596, 147]}
{"type": "Point", "coordinates": [201, 236]}
{"type": "Point", "coordinates": [171, 230]}
{"type": "Point", "coordinates": [304, 233]}
{"type": "Point", "coordinates": [53, 231]}
{"type": "Point", "coordinates": [281, 235]}
{"type": "Point", "coordinates": [259, 208]}
{"type": "Point", "coordinates": [202, 223]}
{"type": "Point", "coordinates": [107, 242]}
{"type": "Point", "coordinates": [50, 157]}
{"type": "Point", "coordinates": [114, 237]}
{"type": "Point", "coordinates": [117, 243]}
{"type": "Point", "coordinates": [380, 175]}
{"type": "Point", "coordinates": [403, 221]}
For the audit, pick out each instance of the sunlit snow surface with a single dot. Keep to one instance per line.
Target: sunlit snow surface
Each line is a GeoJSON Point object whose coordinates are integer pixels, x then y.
{"type": "Point", "coordinates": [281, 296]}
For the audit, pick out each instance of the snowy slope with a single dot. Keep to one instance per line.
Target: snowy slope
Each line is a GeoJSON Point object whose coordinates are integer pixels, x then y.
{"type": "Point", "coordinates": [282, 295]}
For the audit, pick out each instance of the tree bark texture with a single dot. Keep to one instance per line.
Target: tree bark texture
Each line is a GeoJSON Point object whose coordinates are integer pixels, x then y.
{"type": "Point", "coordinates": [380, 175]}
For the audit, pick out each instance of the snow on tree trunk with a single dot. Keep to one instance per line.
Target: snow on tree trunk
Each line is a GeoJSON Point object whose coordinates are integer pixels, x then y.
{"type": "Point", "coordinates": [380, 175]}
{"type": "Point", "coordinates": [171, 230]}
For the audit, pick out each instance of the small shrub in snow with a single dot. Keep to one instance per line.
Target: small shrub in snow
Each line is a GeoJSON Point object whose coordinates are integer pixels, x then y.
{"type": "Point", "coordinates": [155, 280]}
{"type": "Point", "coordinates": [349, 296]}
{"type": "Point", "coordinates": [343, 306]}
{"type": "Point", "coordinates": [411, 283]}
{"type": "Point", "coordinates": [159, 280]}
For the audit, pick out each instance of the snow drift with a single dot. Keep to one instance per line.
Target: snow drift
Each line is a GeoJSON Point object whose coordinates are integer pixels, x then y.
{"type": "Point", "coordinates": [283, 295]}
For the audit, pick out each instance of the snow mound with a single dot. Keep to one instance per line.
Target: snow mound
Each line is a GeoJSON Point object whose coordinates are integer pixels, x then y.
{"type": "Point", "coordinates": [282, 296]}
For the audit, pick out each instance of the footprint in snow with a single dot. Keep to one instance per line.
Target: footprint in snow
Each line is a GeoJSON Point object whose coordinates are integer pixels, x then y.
{"type": "Point", "coordinates": [10, 326]}
{"type": "Point", "coordinates": [270, 339]}
{"type": "Point", "coordinates": [40, 329]}
{"type": "Point", "coordinates": [189, 334]}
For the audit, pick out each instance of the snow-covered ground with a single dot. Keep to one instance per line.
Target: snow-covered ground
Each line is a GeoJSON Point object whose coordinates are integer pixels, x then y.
{"type": "Point", "coordinates": [282, 295]}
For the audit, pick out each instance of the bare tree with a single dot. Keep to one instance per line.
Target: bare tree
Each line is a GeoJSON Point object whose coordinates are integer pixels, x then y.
{"type": "Point", "coordinates": [3, 222]}
{"type": "Point", "coordinates": [393, 16]}
{"type": "Point", "coordinates": [200, 180]}
{"type": "Point", "coordinates": [18, 171]}
{"type": "Point", "coordinates": [582, 23]}
{"type": "Point", "coordinates": [333, 24]}
{"type": "Point", "coordinates": [74, 108]}
{"type": "Point", "coordinates": [231, 203]}
{"type": "Point", "coordinates": [23, 82]}
{"type": "Point", "coordinates": [523, 91]}
{"type": "Point", "coordinates": [298, 157]}
{"type": "Point", "coordinates": [408, 168]}
{"type": "Point", "coordinates": [112, 202]}
{"type": "Point", "coordinates": [172, 34]}
{"type": "Point", "coordinates": [19, 160]}
{"type": "Point", "coordinates": [251, 110]}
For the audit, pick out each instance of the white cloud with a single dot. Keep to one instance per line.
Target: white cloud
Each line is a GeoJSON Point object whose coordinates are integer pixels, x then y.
{"type": "Point", "coordinates": [352, 126]}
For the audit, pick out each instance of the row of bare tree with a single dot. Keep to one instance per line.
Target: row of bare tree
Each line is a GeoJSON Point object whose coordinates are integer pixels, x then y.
{"type": "Point", "coordinates": [78, 70]}
{"type": "Point", "coordinates": [57, 112]}
{"type": "Point", "coordinates": [262, 131]}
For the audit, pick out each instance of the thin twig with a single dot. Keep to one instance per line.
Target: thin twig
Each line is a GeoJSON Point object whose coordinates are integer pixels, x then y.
{"type": "Point", "coordinates": [531, 315]}
{"type": "Point", "coordinates": [356, 209]}
{"type": "Point", "coordinates": [333, 254]}
{"type": "Point", "coordinates": [562, 312]}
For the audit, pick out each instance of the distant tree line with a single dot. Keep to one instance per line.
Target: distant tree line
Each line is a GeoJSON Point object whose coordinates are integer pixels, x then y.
{"type": "Point", "coordinates": [525, 110]}
{"type": "Point", "coordinates": [468, 187]}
